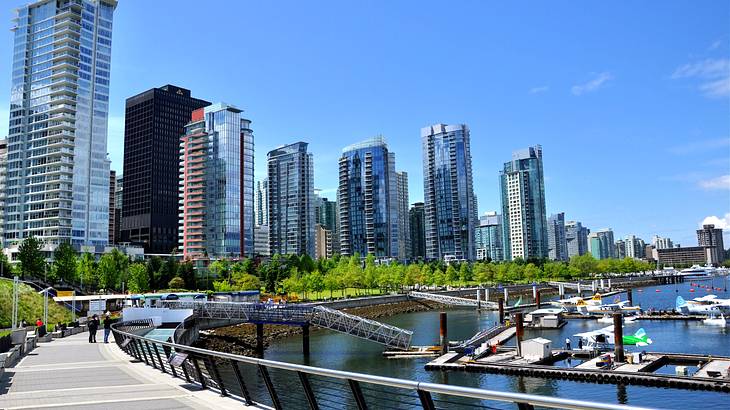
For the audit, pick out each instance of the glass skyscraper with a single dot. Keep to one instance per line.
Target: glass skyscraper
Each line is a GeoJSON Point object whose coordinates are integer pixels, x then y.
{"type": "Point", "coordinates": [524, 221]}
{"type": "Point", "coordinates": [417, 221]}
{"type": "Point", "coordinates": [217, 184]}
{"type": "Point", "coordinates": [57, 169]}
{"type": "Point", "coordinates": [601, 244]}
{"type": "Point", "coordinates": [557, 243]}
{"type": "Point", "coordinates": [450, 205]}
{"type": "Point", "coordinates": [576, 237]}
{"type": "Point", "coordinates": [488, 237]}
{"type": "Point", "coordinates": [291, 200]}
{"type": "Point", "coordinates": [368, 200]}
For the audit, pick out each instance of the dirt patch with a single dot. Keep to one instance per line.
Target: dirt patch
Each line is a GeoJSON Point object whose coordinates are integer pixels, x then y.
{"type": "Point", "coordinates": [241, 339]}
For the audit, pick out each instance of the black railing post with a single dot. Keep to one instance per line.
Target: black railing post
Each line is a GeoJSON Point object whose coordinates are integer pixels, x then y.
{"type": "Point", "coordinates": [270, 387]}
{"type": "Point", "coordinates": [524, 406]}
{"type": "Point", "coordinates": [185, 371]}
{"type": "Point", "coordinates": [426, 400]}
{"type": "Point", "coordinates": [159, 358]}
{"type": "Point", "coordinates": [357, 393]}
{"type": "Point", "coordinates": [152, 358]}
{"type": "Point", "coordinates": [144, 354]}
{"type": "Point", "coordinates": [200, 374]}
{"type": "Point", "coordinates": [213, 370]}
{"type": "Point", "coordinates": [241, 384]}
{"type": "Point", "coordinates": [167, 351]}
{"type": "Point", "coordinates": [308, 391]}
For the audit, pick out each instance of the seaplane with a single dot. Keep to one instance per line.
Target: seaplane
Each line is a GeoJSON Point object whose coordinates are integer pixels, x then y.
{"type": "Point", "coordinates": [715, 318]}
{"type": "Point", "coordinates": [702, 305]}
{"type": "Point", "coordinates": [628, 320]}
{"type": "Point", "coordinates": [572, 304]}
{"type": "Point", "coordinates": [603, 339]}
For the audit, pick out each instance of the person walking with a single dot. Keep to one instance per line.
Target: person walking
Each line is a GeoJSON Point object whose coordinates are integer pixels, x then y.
{"type": "Point", "coordinates": [567, 344]}
{"type": "Point", "coordinates": [107, 326]}
{"type": "Point", "coordinates": [93, 327]}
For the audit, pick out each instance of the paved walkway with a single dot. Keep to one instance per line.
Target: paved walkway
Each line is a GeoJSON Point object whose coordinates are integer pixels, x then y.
{"type": "Point", "coordinates": [70, 373]}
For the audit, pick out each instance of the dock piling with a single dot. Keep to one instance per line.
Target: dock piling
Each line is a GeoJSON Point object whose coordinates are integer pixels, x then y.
{"type": "Point", "coordinates": [500, 302]}
{"type": "Point", "coordinates": [630, 297]}
{"type": "Point", "coordinates": [486, 295]}
{"type": "Point", "coordinates": [537, 299]}
{"type": "Point", "coordinates": [260, 339]}
{"type": "Point", "coordinates": [520, 332]}
{"type": "Point", "coordinates": [506, 294]}
{"type": "Point", "coordinates": [443, 333]}
{"type": "Point", "coordinates": [479, 298]}
{"type": "Point", "coordinates": [618, 334]}
{"type": "Point", "coordinates": [305, 339]}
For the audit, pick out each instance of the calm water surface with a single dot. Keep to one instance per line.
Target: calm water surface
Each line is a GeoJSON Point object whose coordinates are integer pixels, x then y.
{"type": "Point", "coordinates": [338, 351]}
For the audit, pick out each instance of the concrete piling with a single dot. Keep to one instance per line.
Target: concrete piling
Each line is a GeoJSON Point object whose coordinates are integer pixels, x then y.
{"type": "Point", "coordinates": [500, 302]}
{"type": "Point", "coordinates": [305, 340]}
{"type": "Point", "coordinates": [260, 339]}
{"type": "Point", "coordinates": [479, 298]}
{"type": "Point", "coordinates": [443, 333]}
{"type": "Point", "coordinates": [537, 299]}
{"type": "Point", "coordinates": [520, 332]}
{"type": "Point", "coordinates": [630, 297]}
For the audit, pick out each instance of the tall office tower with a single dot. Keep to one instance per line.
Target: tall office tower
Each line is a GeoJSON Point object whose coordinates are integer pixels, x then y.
{"type": "Point", "coordinates": [488, 237]}
{"type": "Point", "coordinates": [711, 237]}
{"type": "Point", "coordinates": [322, 242]}
{"type": "Point", "coordinates": [661, 243]}
{"type": "Point", "coordinates": [368, 197]}
{"type": "Point", "coordinates": [450, 205]}
{"type": "Point", "coordinates": [153, 123]}
{"type": "Point", "coordinates": [523, 205]}
{"type": "Point", "coordinates": [404, 223]}
{"type": "Point", "coordinates": [119, 189]}
{"type": "Point", "coordinates": [216, 178]}
{"type": "Point", "coordinates": [417, 217]}
{"type": "Point", "coordinates": [557, 242]}
{"type": "Point", "coordinates": [3, 175]}
{"type": "Point", "coordinates": [326, 214]}
{"type": "Point", "coordinates": [620, 249]}
{"type": "Point", "coordinates": [291, 200]}
{"type": "Point", "coordinates": [576, 237]}
{"type": "Point", "coordinates": [57, 186]}
{"type": "Point", "coordinates": [261, 240]}
{"type": "Point", "coordinates": [601, 244]}
{"type": "Point", "coordinates": [261, 202]}
{"type": "Point", "coordinates": [634, 247]}
{"type": "Point", "coordinates": [112, 204]}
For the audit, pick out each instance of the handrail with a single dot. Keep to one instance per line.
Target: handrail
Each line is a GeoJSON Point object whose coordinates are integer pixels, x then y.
{"type": "Point", "coordinates": [140, 343]}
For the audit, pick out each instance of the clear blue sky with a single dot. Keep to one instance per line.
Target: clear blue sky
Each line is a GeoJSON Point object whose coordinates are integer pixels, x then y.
{"type": "Point", "coordinates": [630, 100]}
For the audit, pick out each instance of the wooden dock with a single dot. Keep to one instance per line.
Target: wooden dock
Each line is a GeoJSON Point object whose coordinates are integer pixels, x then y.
{"type": "Point", "coordinates": [714, 374]}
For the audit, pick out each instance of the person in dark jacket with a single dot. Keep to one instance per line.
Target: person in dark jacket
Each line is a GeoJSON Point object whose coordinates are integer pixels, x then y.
{"type": "Point", "coordinates": [107, 326]}
{"type": "Point", "coordinates": [93, 327]}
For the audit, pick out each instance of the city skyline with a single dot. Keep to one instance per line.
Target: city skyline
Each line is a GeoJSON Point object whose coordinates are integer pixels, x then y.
{"type": "Point", "coordinates": [691, 150]}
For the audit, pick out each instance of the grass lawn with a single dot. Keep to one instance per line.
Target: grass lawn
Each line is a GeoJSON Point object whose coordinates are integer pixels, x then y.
{"type": "Point", "coordinates": [337, 294]}
{"type": "Point", "coordinates": [31, 306]}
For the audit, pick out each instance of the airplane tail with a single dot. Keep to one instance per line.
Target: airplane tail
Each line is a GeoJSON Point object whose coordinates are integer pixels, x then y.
{"type": "Point", "coordinates": [640, 333]}
{"type": "Point", "coordinates": [519, 301]}
{"type": "Point", "coordinates": [680, 302]}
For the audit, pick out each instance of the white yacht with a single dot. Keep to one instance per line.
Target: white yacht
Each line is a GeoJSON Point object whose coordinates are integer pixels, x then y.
{"type": "Point", "coordinates": [697, 271]}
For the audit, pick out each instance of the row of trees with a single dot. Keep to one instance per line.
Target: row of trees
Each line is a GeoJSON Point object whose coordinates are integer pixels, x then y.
{"type": "Point", "coordinates": [292, 274]}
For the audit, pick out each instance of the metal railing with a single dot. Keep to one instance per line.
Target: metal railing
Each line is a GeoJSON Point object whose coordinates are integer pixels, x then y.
{"type": "Point", "coordinates": [451, 300]}
{"type": "Point", "coordinates": [285, 385]}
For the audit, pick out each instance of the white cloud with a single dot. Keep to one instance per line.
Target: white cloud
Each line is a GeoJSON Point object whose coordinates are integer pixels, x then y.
{"type": "Point", "coordinates": [722, 223]}
{"type": "Point", "coordinates": [715, 45]}
{"type": "Point", "coordinates": [538, 90]}
{"type": "Point", "coordinates": [714, 75]}
{"type": "Point", "coordinates": [592, 85]}
{"type": "Point", "coordinates": [720, 183]}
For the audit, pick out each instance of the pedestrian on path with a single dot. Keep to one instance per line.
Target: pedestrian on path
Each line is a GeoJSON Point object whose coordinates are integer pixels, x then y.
{"type": "Point", "coordinates": [107, 326]}
{"type": "Point", "coordinates": [93, 327]}
{"type": "Point", "coordinates": [567, 344]}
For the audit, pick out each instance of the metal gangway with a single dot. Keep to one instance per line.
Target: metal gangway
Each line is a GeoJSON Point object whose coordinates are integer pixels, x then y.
{"type": "Point", "coordinates": [298, 315]}
{"type": "Point", "coordinates": [451, 300]}
{"type": "Point", "coordinates": [480, 337]}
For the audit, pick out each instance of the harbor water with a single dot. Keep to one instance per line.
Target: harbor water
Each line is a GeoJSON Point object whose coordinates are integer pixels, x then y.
{"type": "Point", "coordinates": [342, 352]}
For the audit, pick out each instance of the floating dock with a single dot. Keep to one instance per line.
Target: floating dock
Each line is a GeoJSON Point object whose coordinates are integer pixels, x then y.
{"type": "Point", "coordinates": [714, 374]}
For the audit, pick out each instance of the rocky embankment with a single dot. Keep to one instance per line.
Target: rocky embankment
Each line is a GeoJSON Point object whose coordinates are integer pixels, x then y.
{"type": "Point", "coordinates": [241, 339]}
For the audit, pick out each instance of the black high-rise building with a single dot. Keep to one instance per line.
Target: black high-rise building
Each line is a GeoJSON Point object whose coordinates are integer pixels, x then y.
{"type": "Point", "coordinates": [417, 217]}
{"type": "Point", "coordinates": [153, 124]}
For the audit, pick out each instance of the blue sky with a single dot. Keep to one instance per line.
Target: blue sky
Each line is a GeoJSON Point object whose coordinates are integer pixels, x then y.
{"type": "Point", "coordinates": [630, 100]}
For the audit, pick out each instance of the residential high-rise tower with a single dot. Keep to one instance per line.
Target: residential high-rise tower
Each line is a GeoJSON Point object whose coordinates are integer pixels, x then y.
{"type": "Point", "coordinates": [57, 181]}
{"type": "Point", "coordinates": [576, 237]}
{"type": "Point", "coordinates": [291, 200]}
{"type": "Point", "coordinates": [450, 205]}
{"type": "Point", "coordinates": [557, 242]}
{"type": "Point", "coordinates": [417, 222]}
{"type": "Point", "coordinates": [523, 205]}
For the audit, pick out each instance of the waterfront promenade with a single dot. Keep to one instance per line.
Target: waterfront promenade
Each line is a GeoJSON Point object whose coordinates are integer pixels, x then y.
{"type": "Point", "coordinates": [71, 373]}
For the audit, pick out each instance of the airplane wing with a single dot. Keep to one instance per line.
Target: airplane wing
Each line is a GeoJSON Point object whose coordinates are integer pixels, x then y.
{"type": "Point", "coordinates": [605, 331]}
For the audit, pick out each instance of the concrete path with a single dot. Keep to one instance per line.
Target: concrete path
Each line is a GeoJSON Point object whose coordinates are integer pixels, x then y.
{"type": "Point", "coordinates": [71, 373]}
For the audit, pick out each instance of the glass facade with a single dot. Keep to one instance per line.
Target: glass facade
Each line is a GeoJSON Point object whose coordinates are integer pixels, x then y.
{"type": "Point", "coordinates": [557, 244]}
{"type": "Point", "coordinates": [524, 220]}
{"type": "Point", "coordinates": [576, 236]}
{"type": "Point", "coordinates": [368, 200]}
{"type": "Point", "coordinates": [217, 177]}
{"type": "Point", "coordinates": [488, 237]}
{"type": "Point", "coordinates": [291, 200]}
{"type": "Point", "coordinates": [450, 205]}
{"type": "Point", "coordinates": [57, 171]}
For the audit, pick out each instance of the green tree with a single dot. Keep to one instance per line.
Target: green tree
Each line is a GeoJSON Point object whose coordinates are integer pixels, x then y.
{"type": "Point", "coordinates": [108, 272]}
{"type": "Point", "coordinates": [6, 269]}
{"type": "Point", "coordinates": [585, 265]}
{"type": "Point", "coordinates": [186, 270]}
{"type": "Point", "coordinates": [332, 281]}
{"type": "Point", "coordinates": [139, 281]}
{"type": "Point", "coordinates": [86, 271]}
{"type": "Point", "coordinates": [465, 273]}
{"type": "Point", "coordinates": [452, 276]}
{"type": "Point", "coordinates": [64, 262]}
{"type": "Point", "coordinates": [176, 283]}
{"type": "Point", "coordinates": [245, 281]}
{"type": "Point", "coordinates": [154, 265]}
{"type": "Point", "coordinates": [169, 270]}
{"type": "Point", "coordinates": [31, 258]}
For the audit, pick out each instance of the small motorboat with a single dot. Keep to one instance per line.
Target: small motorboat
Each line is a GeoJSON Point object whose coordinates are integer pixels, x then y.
{"type": "Point", "coordinates": [715, 319]}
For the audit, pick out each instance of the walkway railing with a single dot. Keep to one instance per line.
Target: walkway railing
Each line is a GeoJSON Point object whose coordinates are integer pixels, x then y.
{"type": "Point", "coordinates": [291, 386]}
{"type": "Point", "coordinates": [451, 300]}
